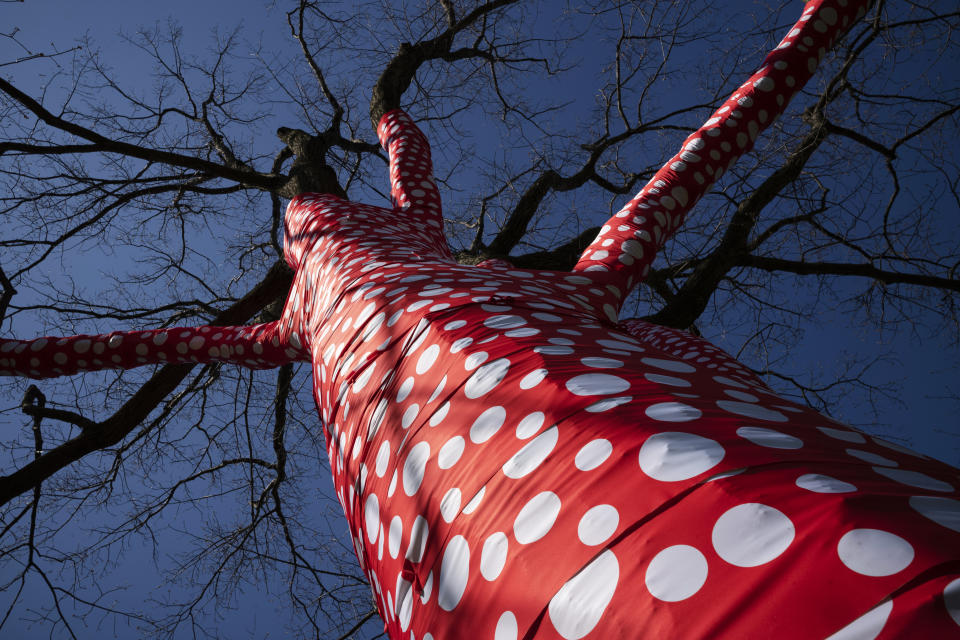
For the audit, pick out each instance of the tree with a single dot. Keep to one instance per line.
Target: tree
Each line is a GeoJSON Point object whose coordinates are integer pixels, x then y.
{"type": "Point", "coordinates": [171, 174]}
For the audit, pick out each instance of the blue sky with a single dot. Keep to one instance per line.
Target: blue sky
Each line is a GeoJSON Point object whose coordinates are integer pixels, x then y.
{"type": "Point", "coordinates": [924, 365]}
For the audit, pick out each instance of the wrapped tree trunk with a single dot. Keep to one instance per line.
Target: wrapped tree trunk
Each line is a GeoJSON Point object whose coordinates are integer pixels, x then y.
{"type": "Point", "coordinates": [514, 463]}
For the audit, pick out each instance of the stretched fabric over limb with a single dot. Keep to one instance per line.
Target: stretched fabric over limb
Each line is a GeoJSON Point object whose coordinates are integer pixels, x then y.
{"type": "Point", "coordinates": [255, 347]}
{"type": "Point", "coordinates": [513, 465]}
{"type": "Point", "coordinates": [413, 188]}
{"type": "Point", "coordinates": [688, 346]}
{"type": "Point", "coordinates": [629, 241]}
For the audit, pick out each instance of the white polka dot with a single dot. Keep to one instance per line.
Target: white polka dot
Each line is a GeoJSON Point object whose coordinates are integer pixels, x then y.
{"type": "Point", "coordinates": [439, 414]}
{"type": "Point", "coordinates": [436, 392]}
{"type": "Point", "coordinates": [358, 385]}
{"type": "Point", "coordinates": [405, 389]}
{"type": "Point", "coordinates": [751, 411]}
{"type": "Point", "coordinates": [669, 380]}
{"type": "Point", "coordinates": [914, 479]}
{"type": "Point", "coordinates": [842, 434]}
{"type": "Point", "coordinates": [475, 501]}
{"type": "Point", "coordinates": [427, 358]}
{"type": "Point", "coordinates": [486, 378]}
{"type": "Point", "coordinates": [769, 438]}
{"type": "Point", "coordinates": [460, 345]}
{"type": "Point", "coordinates": [896, 447]}
{"type": "Point", "coordinates": [450, 452]}
{"type": "Point", "coordinates": [668, 365]}
{"type": "Point", "coordinates": [547, 317]}
{"type": "Point", "coordinates": [951, 598]}
{"type": "Point", "coordinates": [608, 403]}
{"type": "Point", "coordinates": [764, 84]}
{"type": "Point", "coordinates": [504, 322]}
{"type": "Point", "coordinates": [383, 458]}
{"type": "Point", "coordinates": [532, 455]}
{"type": "Point", "coordinates": [593, 454]}
{"type": "Point", "coordinates": [474, 360]}
{"type": "Point", "coordinates": [578, 606]}
{"type": "Point", "coordinates": [418, 539]}
{"type": "Point", "coordinates": [595, 384]}
{"type": "Point", "coordinates": [943, 511]}
{"type": "Point", "coordinates": [454, 572]}
{"type": "Point", "coordinates": [867, 626]}
{"type": "Point", "coordinates": [506, 627]}
{"type": "Point", "coordinates": [621, 345]}
{"type": "Point", "coordinates": [752, 534]}
{"type": "Point", "coordinates": [533, 378]}
{"type": "Point", "coordinates": [530, 425]}
{"type": "Point", "coordinates": [872, 552]}
{"type": "Point", "coordinates": [598, 524]}
{"type": "Point", "coordinates": [729, 382]}
{"type": "Point", "coordinates": [493, 556]}
{"type": "Point", "coordinates": [672, 455]}
{"type": "Point", "coordinates": [487, 424]}
{"type": "Point", "coordinates": [393, 484]}
{"type": "Point", "coordinates": [819, 483]}
{"type": "Point", "coordinates": [409, 416]}
{"type": "Point", "coordinates": [676, 573]}
{"type": "Point", "coordinates": [872, 458]}
{"type": "Point", "coordinates": [371, 517]}
{"type": "Point", "coordinates": [414, 467]}
{"type": "Point", "coordinates": [404, 602]}
{"type": "Point", "coordinates": [450, 505]}
{"type": "Point", "coordinates": [602, 363]}
{"type": "Point", "coordinates": [740, 395]}
{"type": "Point", "coordinates": [672, 412]}
{"type": "Point", "coordinates": [522, 332]}
{"type": "Point", "coordinates": [396, 532]}
{"type": "Point", "coordinates": [553, 350]}
{"type": "Point", "coordinates": [376, 419]}
{"type": "Point", "coordinates": [536, 517]}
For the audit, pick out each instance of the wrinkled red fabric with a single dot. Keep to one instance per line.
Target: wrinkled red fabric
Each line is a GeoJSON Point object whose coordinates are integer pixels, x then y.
{"type": "Point", "coordinates": [514, 463]}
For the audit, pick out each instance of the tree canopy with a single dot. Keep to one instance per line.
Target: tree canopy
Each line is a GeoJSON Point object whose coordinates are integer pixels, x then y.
{"type": "Point", "coordinates": [144, 186]}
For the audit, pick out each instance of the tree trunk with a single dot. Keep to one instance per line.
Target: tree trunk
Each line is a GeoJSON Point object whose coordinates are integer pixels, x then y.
{"type": "Point", "coordinates": [514, 463]}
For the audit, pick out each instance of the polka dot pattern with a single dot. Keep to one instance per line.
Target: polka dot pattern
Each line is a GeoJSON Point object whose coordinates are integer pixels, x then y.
{"type": "Point", "coordinates": [598, 524]}
{"type": "Point", "coordinates": [629, 243]}
{"type": "Point", "coordinates": [752, 534]}
{"type": "Point", "coordinates": [872, 552]}
{"type": "Point", "coordinates": [672, 456]}
{"type": "Point", "coordinates": [578, 606]}
{"type": "Point", "coordinates": [676, 573]}
{"type": "Point", "coordinates": [486, 424]}
{"type": "Point", "coordinates": [867, 626]}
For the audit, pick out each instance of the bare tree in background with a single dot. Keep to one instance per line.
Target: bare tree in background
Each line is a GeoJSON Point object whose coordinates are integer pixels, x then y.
{"type": "Point", "coordinates": [175, 198]}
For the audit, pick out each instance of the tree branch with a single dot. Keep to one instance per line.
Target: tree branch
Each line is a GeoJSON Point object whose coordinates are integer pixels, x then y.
{"type": "Point", "coordinates": [107, 145]}
{"type": "Point", "coordinates": [845, 269]}
{"type": "Point", "coordinates": [690, 301]}
{"type": "Point", "coordinates": [399, 72]}
{"type": "Point", "coordinates": [115, 428]}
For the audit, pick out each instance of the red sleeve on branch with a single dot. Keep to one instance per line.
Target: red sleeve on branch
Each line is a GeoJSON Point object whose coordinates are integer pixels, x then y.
{"type": "Point", "coordinates": [257, 347]}
{"type": "Point", "coordinates": [412, 187]}
{"type": "Point", "coordinates": [629, 241]}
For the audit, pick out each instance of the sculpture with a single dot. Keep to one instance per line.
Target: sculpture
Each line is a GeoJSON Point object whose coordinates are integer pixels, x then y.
{"type": "Point", "coordinates": [516, 463]}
